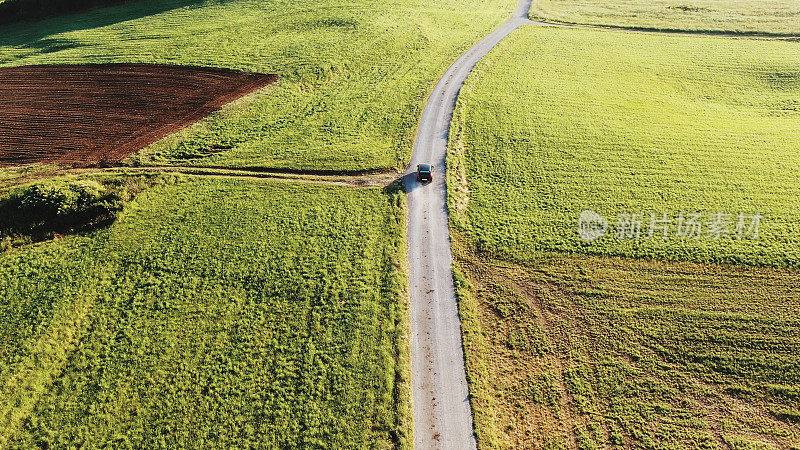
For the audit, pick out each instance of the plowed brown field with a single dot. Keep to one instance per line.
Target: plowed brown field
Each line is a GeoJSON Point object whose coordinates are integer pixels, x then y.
{"type": "Point", "coordinates": [99, 114]}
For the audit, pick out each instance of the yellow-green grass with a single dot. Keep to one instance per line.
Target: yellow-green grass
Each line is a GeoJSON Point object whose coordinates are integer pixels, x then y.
{"type": "Point", "coordinates": [770, 17]}
{"type": "Point", "coordinates": [602, 352]}
{"type": "Point", "coordinates": [229, 313]}
{"type": "Point", "coordinates": [557, 121]}
{"type": "Point", "coordinates": [353, 76]}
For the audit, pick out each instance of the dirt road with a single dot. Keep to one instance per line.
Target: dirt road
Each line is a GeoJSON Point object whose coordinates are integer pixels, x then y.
{"type": "Point", "coordinates": [442, 416]}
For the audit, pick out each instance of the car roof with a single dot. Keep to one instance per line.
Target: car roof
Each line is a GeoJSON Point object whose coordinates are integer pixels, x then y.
{"type": "Point", "coordinates": [424, 167]}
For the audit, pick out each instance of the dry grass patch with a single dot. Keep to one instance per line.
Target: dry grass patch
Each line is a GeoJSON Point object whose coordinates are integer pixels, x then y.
{"type": "Point", "coordinates": [589, 352]}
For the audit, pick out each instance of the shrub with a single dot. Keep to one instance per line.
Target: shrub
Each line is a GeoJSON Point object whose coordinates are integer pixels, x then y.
{"type": "Point", "coordinates": [44, 208]}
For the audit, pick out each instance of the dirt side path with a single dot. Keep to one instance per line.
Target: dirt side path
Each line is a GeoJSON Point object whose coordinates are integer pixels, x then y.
{"type": "Point", "coordinates": [442, 414]}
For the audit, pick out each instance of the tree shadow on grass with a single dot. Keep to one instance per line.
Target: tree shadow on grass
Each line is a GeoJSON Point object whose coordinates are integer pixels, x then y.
{"type": "Point", "coordinates": [36, 34]}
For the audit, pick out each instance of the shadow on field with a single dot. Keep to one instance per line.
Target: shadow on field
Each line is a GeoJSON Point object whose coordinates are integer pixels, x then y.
{"type": "Point", "coordinates": [33, 32]}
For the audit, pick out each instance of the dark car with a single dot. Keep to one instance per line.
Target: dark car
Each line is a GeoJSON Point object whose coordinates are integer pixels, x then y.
{"type": "Point", "coordinates": [424, 173]}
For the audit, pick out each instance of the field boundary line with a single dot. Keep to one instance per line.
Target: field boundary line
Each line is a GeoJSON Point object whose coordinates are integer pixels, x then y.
{"type": "Point", "coordinates": [358, 179]}
{"type": "Point", "coordinates": [667, 31]}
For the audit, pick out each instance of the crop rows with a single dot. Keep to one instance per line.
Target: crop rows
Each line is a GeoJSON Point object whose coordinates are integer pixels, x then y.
{"type": "Point", "coordinates": [626, 353]}
{"type": "Point", "coordinates": [100, 114]}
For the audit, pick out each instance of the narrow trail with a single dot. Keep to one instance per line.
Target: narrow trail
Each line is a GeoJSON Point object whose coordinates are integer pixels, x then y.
{"type": "Point", "coordinates": [356, 179]}
{"type": "Point", "coordinates": [372, 178]}
{"type": "Point", "coordinates": [442, 414]}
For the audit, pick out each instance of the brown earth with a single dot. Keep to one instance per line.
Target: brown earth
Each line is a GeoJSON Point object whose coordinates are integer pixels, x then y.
{"type": "Point", "coordinates": [95, 115]}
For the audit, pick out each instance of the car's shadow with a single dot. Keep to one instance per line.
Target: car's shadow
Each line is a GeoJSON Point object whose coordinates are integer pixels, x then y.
{"type": "Point", "coordinates": [410, 183]}
{"type": "Point", "coordinates": [407, 183]}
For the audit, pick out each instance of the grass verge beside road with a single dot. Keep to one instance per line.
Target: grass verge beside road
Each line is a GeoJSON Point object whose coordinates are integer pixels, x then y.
{"type": "Point", "coordinates": [624, 342]}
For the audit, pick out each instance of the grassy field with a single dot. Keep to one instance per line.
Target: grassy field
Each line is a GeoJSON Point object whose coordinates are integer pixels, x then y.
{"type": "Point", "coordinates": [557, 121]}
{"type": "Point", "coordinates": [221, 312]}
{"type": "Point", "coordinates": [354, 76]}
{"type": "Point", "coordinates": [742, 16]}
{"type": "Point", "coordinates": [597, 352]}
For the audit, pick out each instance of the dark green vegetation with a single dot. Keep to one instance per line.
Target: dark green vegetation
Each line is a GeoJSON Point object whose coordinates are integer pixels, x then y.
{"type": "Point", "coordinates": [16, 10]}
{"type": "Point", "coordinates": [226, 312]}
{"type": "Point", "coordinates": [738, 16]}
{"type": "Point", "coordinates": [353, 77]}
{"type": "Point", "coordinates": [38, 211]}
{"type": "Point", "coordinates": [556, 121]}
{"type": "Point", "coordinates": [630, 354]}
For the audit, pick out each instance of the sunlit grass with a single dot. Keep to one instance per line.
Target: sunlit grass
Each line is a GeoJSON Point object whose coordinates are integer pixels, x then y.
{"type": "Point", "coordinates": [557, 121]}
{"type": "Point", "coordinates": [742, 16]}
{"type": "Point", "coordinates": [354, 76]}
{"type": "Point", "coordinates": [213, 312]}
{"type": "Point", "coordinates": [622, 353]}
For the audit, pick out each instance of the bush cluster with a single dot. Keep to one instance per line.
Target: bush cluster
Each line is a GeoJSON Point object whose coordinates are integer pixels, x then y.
{"type": "Point", "coordinates": [58, 206]}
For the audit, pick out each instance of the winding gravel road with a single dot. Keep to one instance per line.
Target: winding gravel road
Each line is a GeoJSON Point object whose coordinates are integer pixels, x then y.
{"type": "Point", "coordinates": [442, 416]}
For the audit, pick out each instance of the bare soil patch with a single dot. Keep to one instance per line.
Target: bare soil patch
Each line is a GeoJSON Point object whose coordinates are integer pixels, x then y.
{"type": "Point", "coordinates": [96, 115]}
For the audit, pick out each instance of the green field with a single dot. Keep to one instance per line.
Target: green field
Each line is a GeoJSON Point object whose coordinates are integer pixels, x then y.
{"type": "Point", "coordinates": [213, 312]}
{"type": "Point", "coordinates": [596, 352]}
{"type": "Point", "coordinates": [739, 16]}
{"type": "Point", "coordinates": [557, 121]}
{"type": "Point", "coordinates": [354, 75]}
{"type": "Point", "coordinates": [624, 342]}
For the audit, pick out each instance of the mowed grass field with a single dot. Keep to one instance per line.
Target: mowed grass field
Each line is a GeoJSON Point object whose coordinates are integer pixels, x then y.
{"type": "Point", "coordinates": [213, 312]}
{"type": "Point", "coordinates": [557, 121]}
{"type": "Point", "coordinates": [739, 16]}
{"type": "Point", "coordinates": [353, 76]}
{"type": "Point", "coordinates": [601, 352]}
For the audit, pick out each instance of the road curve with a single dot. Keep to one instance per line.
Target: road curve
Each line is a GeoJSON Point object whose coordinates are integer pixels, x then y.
{"type": "Point", "coordinates": [442, 415]}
